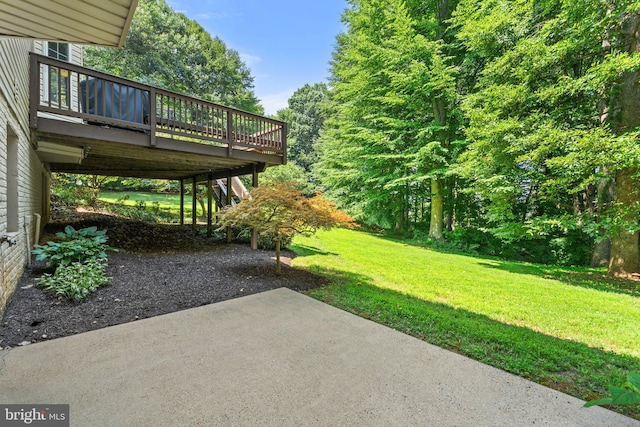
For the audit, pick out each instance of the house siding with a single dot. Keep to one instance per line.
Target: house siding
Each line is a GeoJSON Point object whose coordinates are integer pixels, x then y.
{"type": "Point", "coordinates": [32, 175]}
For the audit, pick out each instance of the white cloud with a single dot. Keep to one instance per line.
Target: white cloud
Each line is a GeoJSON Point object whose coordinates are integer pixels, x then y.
{"type": "Point", "coordinates": [250, 60]}
{"type": "Point", "coordinates": [275, 101]}
{"type": "Point", "coordinates": [212, 15]}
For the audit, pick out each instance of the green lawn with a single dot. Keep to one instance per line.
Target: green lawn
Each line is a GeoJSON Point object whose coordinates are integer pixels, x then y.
{"type": "Point", "coordinates": [167, 202]}
{"type": "Point", "coordinates": [567, 328]}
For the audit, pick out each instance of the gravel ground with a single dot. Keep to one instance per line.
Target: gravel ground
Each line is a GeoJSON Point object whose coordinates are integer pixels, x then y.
{"type": "Point", "coordinates": [165, 268]}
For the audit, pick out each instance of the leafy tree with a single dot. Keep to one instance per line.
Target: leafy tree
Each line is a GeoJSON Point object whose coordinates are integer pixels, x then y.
{"type": "Point", "coordinates": [305, 118]}
{"type": "Point", "coordinates": [166, 49]}
{"type": "Point", "coordinates": [554, 113]}
{"type": "Point", "coordinates": [289, 172]}
{"type": "Point", "coordinates": [391, 125]}
{"type": "Point", "coordinates": [281, 210]}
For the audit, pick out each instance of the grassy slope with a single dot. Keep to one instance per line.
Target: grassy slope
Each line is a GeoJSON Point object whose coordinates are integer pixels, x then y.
{"type": "Point", "coordinates": [567, 328]}
{"type": "Point", "coordinates": [167, 202]}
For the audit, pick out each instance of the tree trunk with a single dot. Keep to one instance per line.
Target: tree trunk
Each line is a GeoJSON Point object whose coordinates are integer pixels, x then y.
{"type": "Point", "coordinates": [437, 183]}
{"type": "Point", "coordinates": [601, 253]}
{"type": "Point", "coordinates": [625, 254]}
{"type": "Point", "coordinates": [202, 206]}
{"type": "Point", "coordinates": [278, 266]}
{"type": "Point", "coordinates": [437, 209]}
{"type": "Point", "coordinates": [605, 195]}
{"type": "Point", "coordinates": [625, 257]}
{"type": "Point", "coordinates": [400, 214]}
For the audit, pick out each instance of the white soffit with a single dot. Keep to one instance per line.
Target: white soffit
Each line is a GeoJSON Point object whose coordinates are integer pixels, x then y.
{"type": "Point", "coordinates": [50, 152]}
{"type": "Point", "coordinates": [99, 22]}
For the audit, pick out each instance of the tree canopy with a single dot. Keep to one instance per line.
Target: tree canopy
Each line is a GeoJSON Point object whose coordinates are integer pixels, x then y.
{"type": "Point", "coordinates": [516, 119]}
{"type": "Point", "coordinates": [305, 117]}
{"type": "Point", "coordinates": [281, 210]}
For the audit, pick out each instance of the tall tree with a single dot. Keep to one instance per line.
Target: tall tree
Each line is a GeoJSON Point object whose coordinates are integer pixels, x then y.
{"type": "Point", "coordinates": [388, 130]}
{"type": "Point", "coordinates": [166, 49]}
{"type": "Point", "coordinates": [624, 115]}
{"type": "Point", "coordinates": [305, 121]}
{"type": "Point", "coordinates": [555, 108]}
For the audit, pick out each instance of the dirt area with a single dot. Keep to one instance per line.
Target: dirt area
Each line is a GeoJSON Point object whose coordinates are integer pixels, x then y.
{"type": "Point", "coordinates": [159, 269]}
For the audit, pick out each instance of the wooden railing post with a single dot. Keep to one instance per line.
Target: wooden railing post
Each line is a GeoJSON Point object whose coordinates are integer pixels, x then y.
{"type": "Point", "coordinates": [284, 143]}
{"type": "Point", "coordinates": [152, 117]}
{"type": "Point", "coordinates": [229, 133]}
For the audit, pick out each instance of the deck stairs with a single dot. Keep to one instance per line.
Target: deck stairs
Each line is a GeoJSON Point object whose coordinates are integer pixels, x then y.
{"type": "Point", "coordinates": [238, 191]}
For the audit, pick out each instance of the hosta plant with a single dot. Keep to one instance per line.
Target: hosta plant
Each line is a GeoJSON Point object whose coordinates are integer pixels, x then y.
{"type": "Point", "coordinates": [80, 259]}
{"type": "Point", "coordinates": [75, 280]}
{"type": "Point", "coordinates": [74, 246]}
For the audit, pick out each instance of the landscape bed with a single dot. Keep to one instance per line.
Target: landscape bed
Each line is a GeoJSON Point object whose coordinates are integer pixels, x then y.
{"type": "Point", "coordinates": [159, 269]}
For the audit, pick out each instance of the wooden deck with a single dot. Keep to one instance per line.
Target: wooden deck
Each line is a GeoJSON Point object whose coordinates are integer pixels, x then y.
{"type": "Point", "coordinates": [125, 128]}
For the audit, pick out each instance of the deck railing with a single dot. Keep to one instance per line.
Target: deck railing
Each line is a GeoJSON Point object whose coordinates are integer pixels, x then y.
{"type": "Point", "coordinates": [98, 98]}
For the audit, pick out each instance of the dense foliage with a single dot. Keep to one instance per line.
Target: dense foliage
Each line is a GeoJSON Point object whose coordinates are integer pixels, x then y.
{"type": "Point", "coordinates": [80, 260]}
{"type": "Point", "coordinates": [503, 126]}
{"type": "Point", "coordinates": [280, 211]}
{"type": "Point", "coordinates": [74, 246]}
{"type": "Point", "coordinates": [305, 118]}
{"type": "Point", "coordinates": [75, 281]}
{"type": "Point", "coordinates": [627, 394]}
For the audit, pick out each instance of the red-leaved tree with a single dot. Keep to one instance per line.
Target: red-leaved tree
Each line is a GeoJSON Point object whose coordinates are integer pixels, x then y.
{"type": "Point", "coordinates": [281, 210]}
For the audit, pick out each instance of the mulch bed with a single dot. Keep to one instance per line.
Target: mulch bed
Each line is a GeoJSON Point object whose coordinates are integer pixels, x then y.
{"type": "Point", "coordinates": [162, 268]}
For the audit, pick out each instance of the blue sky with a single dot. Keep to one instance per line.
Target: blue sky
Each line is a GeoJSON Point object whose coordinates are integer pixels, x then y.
{"type": "Point", "coordinates": [285, 43]}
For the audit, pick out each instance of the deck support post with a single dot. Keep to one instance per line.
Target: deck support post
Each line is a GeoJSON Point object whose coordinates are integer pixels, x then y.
{"type": "Point", "coordinates": [194, 213]}
{"type": "Point", "coordinates": [181, 201]}
{"type": "Point", "coordinates": [254, 232]}
{"type": "Point", "coordinates": [209, 206]}
{"type": "Point", "coordinates": [228, 203]}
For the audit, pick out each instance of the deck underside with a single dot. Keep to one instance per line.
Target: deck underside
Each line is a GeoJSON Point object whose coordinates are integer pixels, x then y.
{"type": "Point", "coordinates": [120, 152]}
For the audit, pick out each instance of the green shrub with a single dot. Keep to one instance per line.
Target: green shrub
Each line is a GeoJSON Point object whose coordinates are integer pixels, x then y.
{"type": "Point", "coordinates": [627, 394]}
{"type": "Point", "coordinates": [265, 241]}
{"type": "Point", "coordinates": [571, 247]}
{"type": "Point", "coordinates": [80, 258]}
{"type": "Point", "coordinates": [75, 280]}
{"type": "Point", "coordinates": [75, 246]}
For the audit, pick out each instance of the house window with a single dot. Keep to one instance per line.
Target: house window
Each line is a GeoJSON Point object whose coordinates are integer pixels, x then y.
{"type": "Point", "coordinates": [57, 79]}
{"type": "Point", "coordinates": [12, 181]}
{"type": "Point", "coordinates": [58, 51]}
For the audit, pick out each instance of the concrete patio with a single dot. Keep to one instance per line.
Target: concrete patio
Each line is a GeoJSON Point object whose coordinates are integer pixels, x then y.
{"type": "Point", "coordinates": [276, 358]}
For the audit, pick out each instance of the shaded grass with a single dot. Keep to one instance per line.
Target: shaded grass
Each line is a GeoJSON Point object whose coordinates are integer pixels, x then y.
{"type": "Point", "coordinates": [166, 202]}
{"type": "Point", "coordinates": [164, 206]}
{"type": "Point", "coordinates": [567, 328]}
